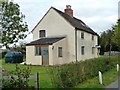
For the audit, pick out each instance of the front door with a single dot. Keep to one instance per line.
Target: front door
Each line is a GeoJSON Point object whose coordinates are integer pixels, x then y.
{"type": "Point", "coordinates": [45, 55]}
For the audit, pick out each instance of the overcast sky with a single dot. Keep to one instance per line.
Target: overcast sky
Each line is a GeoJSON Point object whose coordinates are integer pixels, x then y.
{"type": "Point", "coordinates": [100, 15]}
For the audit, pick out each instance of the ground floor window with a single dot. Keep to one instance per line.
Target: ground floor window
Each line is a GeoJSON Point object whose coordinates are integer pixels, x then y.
{"type": "Point", "coordinates": [93, 50]}
{"type": "Point", "coordinates": [37, 50]}
{"type": "Point", "coordinates": [82, 50]}
{"type": "Point", "coordinates": [60, 52]}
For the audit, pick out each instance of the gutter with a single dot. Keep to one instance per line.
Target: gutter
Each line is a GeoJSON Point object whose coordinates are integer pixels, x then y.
{"type": "Point", "coordinates": [76, 45]}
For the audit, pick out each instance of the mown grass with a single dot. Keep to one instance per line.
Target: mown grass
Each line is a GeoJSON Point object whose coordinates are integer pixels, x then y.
{"type": "Point", "coordinates": [44, 75]}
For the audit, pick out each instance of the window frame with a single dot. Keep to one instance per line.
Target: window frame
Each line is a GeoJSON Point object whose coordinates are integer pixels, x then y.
{"type": "Point", "coordinates": [93, 50]}
{"type": "Point", "coordinates": [60, 52]}
{"type": "Point", "coordinates": [37, 50]}
{"type": "Point", "coordinates": [42, 33]}
{"type": "Point", "coordinates": [93, 37]}
{"type": "Point", "coordinates": [82, 50]}
{"type": "Point", "coordinates": [82, 35]}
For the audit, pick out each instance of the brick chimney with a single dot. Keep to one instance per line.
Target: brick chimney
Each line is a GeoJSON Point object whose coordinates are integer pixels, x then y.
{"type": "Point", "coordinates": [68, 10]}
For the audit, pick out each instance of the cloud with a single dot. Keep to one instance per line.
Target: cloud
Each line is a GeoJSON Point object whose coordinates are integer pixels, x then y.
{"type": "Point", "coordinates": [29, 38]}
{"type": "Point", "coordinates": [98, 14]}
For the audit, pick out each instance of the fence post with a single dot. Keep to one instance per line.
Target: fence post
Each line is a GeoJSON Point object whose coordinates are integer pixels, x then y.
{"type": "Point", "coordinates": [100, 77]}
{"type": "Point", "coordinates": [36, 81]}
{"type": "Point", "coordinates": [117, 67]}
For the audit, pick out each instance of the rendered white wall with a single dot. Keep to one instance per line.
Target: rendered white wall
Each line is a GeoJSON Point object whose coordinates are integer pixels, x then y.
{"type": "Point", "coordinates": [31, 58]}
{"type": "Point", "coordinates": [65, 52]}
{"type": "Point", "coordinates": [88, 43]}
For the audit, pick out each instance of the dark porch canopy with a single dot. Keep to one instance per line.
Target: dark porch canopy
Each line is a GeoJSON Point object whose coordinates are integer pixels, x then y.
{"type": "Point", "coordinates": [45, 41]}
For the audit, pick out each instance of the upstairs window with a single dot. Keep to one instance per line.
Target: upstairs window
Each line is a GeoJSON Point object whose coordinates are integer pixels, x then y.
{"type": "Point", "coordinates": [82, 35]}
{"type": "Point", "coordinates": [92, 37]}
{"type": "Point", "coordinates": [60, 52]}
{"type": "Point", "coordinates": [37, 50]}
{"type": "Point", "coordinates": [82, 50]}
{"type": "Point", "coordinates": [42, 33]}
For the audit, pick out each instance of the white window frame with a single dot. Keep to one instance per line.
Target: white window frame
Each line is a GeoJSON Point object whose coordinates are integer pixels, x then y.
{"type": "Point", "coordinates": [37, 50]}
{"type": "Point", "coordinates": [41, 35]}
{"type": "Point", "coordinates": [82, 35]}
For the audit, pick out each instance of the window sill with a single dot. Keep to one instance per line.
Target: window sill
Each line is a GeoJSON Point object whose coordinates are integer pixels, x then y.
{"type": "Point", "coordinates": [37, 55]}
{"type": "Point", "coordinates": [60, 57]}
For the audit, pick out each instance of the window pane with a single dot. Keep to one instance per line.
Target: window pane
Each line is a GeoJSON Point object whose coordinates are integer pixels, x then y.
{"type": "Point", "coordinates": [37, 50]}
{"type": "Point", "coordinates": [82, 50]}
{"type": "Point", "coordinates": [92, 50]}
{"type": "Point", "coordinates": [82, 35]}
{"type": "Point", "coordinates": [42, 33]}
{"type": "Point", "coordinates": [92, 37]}
{"type": "Point", "coordinates": [59, 51]}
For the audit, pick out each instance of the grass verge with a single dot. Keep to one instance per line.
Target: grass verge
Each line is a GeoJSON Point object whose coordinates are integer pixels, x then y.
{"type": "Point", "coordinates": [108, 77]}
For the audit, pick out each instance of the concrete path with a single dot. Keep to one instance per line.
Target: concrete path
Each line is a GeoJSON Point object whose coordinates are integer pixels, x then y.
{"type": "Point", "coordinates": [114, 85]}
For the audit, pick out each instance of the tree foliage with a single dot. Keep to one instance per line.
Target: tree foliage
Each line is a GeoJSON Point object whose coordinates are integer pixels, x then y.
{"type": "Point", "coordinates": [12, 24]}
{"type": "Point", "coordinates": [116, 35]}
{"type": "Point", "coordinates": [107, 42]}
{"type": "Point", "coordinates": [21, 48]}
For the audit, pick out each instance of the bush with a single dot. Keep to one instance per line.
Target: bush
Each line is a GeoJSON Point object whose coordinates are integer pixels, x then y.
{"type": "Point", "coordinates": [69, 75]}
{"type": "Point", "coordinates": [20, 81]}
{"type": "Point", "coordinates": [2, 54]}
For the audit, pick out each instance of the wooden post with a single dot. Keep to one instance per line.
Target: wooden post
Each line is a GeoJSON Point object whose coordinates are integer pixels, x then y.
{"type": "Point", "coordinates": [36, 81]}
{"type": "Point", "coordinates": [117, 67]}
{"type": "Point", "coordinates": [100, 77]}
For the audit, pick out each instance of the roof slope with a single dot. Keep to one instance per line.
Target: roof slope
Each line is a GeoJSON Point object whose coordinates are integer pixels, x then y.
{"type": "Point", "coordinates": [45, 41]}
{"type": "Point", "coordinates": [77, 23]}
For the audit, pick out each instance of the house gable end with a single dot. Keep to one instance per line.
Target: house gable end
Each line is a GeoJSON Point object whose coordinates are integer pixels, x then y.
{"type": "Point", "coordinates": [53, 24]}
{"type": "Point", "coordinates": [46, 14]}
{"type": "Point", "coordinates": [40, 20]}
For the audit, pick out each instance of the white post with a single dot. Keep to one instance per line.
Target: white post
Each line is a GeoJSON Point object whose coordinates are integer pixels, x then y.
{"type": "Point", "coordinates": [100, 77]}
{"type": "Point", "coordinates": [36, 81]}
{"type": "Point", "coordinates": [117, 67]}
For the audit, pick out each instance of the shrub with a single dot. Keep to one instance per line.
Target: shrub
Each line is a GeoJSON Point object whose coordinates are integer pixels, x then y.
{"type": "Point", "coordinates": [69, 75]}
{"type": "Point", "coordinates": [2, 54]}
{"type": "Point", "coordinates": [20, 81]}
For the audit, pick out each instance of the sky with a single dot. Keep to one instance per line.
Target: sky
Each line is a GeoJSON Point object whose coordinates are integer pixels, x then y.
{"type": "Point", "coordinates": [99, 15]}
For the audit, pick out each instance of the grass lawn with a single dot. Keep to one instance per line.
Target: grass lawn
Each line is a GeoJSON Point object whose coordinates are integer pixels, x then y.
{"type": "Point", "coordinates": [45, 76]}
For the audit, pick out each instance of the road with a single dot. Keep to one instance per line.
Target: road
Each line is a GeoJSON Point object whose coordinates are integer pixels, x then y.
{"type": "Point", "coordinates": [114, 85]}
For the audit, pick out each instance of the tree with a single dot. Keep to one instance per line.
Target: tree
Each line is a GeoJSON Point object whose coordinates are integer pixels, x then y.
{"type": "Point", "coordinates": [116, 35]}
{"type": "Point", "coordinates": [12, 24]}
{"type": "Point", "coordinates": [106, 41]}
{"type": "Point", "coordinates": [21, 48]}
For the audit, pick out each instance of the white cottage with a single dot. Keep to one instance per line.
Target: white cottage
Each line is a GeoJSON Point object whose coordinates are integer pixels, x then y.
{"type": "Point", "coordinates": [60, 38]}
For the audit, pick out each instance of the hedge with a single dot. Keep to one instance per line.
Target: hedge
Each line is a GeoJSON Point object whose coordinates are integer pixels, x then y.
{"type": "Point", "coordinates": [69, 75]}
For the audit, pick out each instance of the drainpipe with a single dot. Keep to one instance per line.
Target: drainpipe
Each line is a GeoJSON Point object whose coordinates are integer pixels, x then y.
{"type": "Point", "coordinates": [76, 44]}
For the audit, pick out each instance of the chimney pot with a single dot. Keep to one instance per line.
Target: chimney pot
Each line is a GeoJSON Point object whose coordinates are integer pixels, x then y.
{"type": "Point", "coordinates": [68, 10]}
{"type": "Point", "coordinates": [68, 7]}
